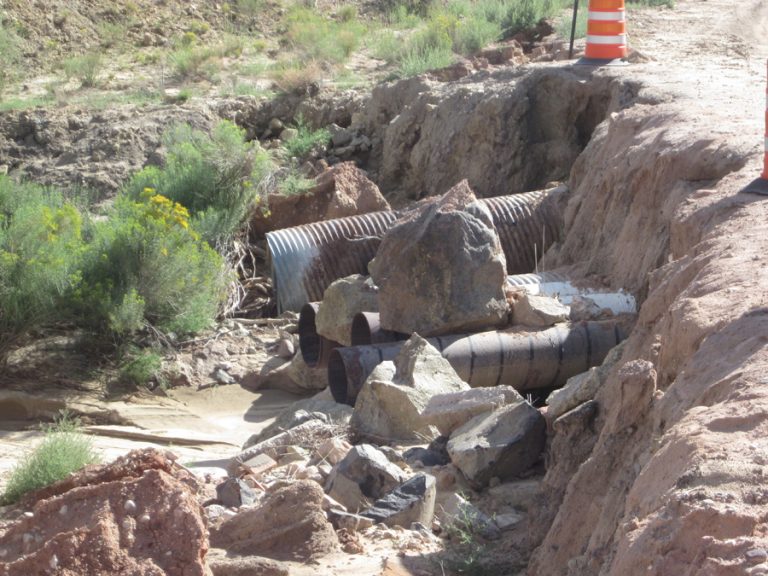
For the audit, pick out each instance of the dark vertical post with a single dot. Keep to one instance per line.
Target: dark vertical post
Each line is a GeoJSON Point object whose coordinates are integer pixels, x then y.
{"type": "Point", "coordinates": [573, 28]}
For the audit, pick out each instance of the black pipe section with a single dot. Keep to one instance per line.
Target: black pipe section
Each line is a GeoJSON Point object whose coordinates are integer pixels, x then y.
{"type": "Point", "coordinates": [315, 348]}
{"type": "Point", "coordinates": [524, 360]}
{"type": "Point", "coordinates": [366, 329]}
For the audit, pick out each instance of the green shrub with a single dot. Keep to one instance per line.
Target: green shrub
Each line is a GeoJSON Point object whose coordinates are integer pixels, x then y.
{"type": "Point", "coordinates": [293, 183]}
{"type": "Point", "coordinates": [10, 54]}
{"type": "Point", "coordinates": [140, 367]}
{"type": "Point", "coordinates": [347, 13]}
{"type": "Point", "coordinates": [41, 250]}
{"type": "Point", "coordinates": [111, 34]}
{"type": "Point", "coordinates": [306, 139]}
{"type": "Point", "coordinates": [63, 450]}
{"type": "Point", "coordinates": [320, 38]}
{"type": "Point", "coordinates": [85, 68]}
{"type": "Point", "coordinates": [146, 265]}
{"type": "Point", "coordinates": [219, 177]}
{"type": "Point", "coordinates": [193, 61]}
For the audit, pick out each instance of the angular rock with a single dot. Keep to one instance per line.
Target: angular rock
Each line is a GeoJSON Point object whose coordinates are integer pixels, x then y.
{"type": "Point", "coordinates": [341, 301]}
{"type": "Point", "coordinates": [234, 493]}
{"type": "Point", "coordinates": [425, 457]}
{"type": "Point", "coordinates": [501, 444]}
{"type": "Point", "coordinates": [452, 410]}
{"type": "Point", "coordinates": [521, 494]}
{"type": "Point", "coordinates": [342, 190]}
{"type": "Point", "coordinates": [441, 269]}
{"type": "Point", "coordinates": [289, 525]}
{"type": "Point", "coordinates": [332, 451]}
{"type": "Point", "coordinates": [393, 397]}
{"type": "Point", "coordinates": [577, 390]}
{"type": "Point", "coordinates": [412, 501]}
{"type": "Point", "coordinates": [109, 516]}
{"type": "Point", "coordinates": [539, 311]}
{"type": "Point", "coordinates": [362, 476]}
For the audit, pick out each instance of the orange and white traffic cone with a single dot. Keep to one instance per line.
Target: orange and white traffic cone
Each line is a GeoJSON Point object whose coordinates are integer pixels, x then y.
{"type": "Point", "coordinates": [760, 185]}
{"type": "Point", "coordinates": [606, 34]}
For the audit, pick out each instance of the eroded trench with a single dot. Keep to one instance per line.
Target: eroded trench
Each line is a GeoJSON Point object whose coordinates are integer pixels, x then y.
{"type": "Point", "coordinates": [614, 170]}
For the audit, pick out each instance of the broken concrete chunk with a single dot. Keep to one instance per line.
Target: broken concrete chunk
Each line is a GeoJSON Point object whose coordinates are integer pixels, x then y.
{"type": "Point", "coordinates": [539, 311]}
{"type": "Point", "coordinates": [454, 409]}
{"type": "Point", "coordinates": [362, 476]}
{"type": "Point", "coordinates": [503, 444]}
{"type": "Point", "coordinates": [412, 501]}
{"type": "Point", "coordinates": [390, 403]}
{"type": "Point", "coordinates": [342, 300]}
{"type": "Point", "coordinates": [440, 268]}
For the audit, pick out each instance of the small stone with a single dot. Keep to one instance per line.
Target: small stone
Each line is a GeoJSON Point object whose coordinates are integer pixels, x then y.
{"type": "Point", "coordinates": [144, 518]}
{"type": "Point", "coordinates": [757, 555]}
{"type": "Point", "coordinates": [53, 562]}
{"type": "Point", "coordinates": [28, 515]}
{"type": "Point", "coordinates": [63, 510]}
{"type": "Point", "coordinates": [508, 520]}
{"type": "Point", "coordinates": [275, 125]}
{"type": "Point", "coordinates": [222, 377]}
{"type": "Point", "coordinates": [288, 134]}
{"type": "Point", "coordinates": [129, 507]}
{"type": "Point", "coordinates": [286, 349]}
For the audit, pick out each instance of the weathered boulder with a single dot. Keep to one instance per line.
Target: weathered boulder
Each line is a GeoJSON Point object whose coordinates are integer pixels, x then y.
{"type": "Point", "coordinates": [441, 269]}
{"type": "Point", "coordinates": [412, 501]}
{"type": "Point", "coordinates": [450, 411]}
{"type": "Point", "coordinates": [290, 524]}
{"type": "Point", "coordinates": [393, 397]}
{"type": "Point", "coordinates": [342, 190]}
{"type": "Point", "coordinates": [539, 311]}
{"type": "Point", "coordinates": [502, 444]}
{"type": "Point", "coordinates": [341, 301]}
{"type": "Point", "coordinates": [364, 475]}
{"type": "Point", "coordinates": [138, 515]}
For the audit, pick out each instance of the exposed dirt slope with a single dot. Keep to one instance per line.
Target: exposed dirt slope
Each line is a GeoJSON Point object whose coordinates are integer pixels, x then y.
{"type": "Point", "coordinates": [674, 483]}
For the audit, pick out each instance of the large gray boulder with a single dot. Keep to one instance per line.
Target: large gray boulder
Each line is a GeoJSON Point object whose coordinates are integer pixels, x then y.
{"type": "Point", "coordinates": [361, 477]}
{"type": "Point", "coordinates": [440, 268]}
{"type": "Point", "coordinates": [341, 301]}
{"type": "Point", "coordinates": [393, 397]}
{"type": "Point", "coordinates": [451, 410]}
{"type": "Point", "coordinates": [502, 444]}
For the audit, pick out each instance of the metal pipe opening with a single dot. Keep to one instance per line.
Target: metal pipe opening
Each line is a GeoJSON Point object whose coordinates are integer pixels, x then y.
{"type": "Point", "coordinates": [315, 348]}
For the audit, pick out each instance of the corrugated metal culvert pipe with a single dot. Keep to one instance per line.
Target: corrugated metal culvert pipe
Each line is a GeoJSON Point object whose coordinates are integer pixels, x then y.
{"type": "Point", "coordinates": [524, 360]}
{"type": "Point", "coordinates": [306, 259]}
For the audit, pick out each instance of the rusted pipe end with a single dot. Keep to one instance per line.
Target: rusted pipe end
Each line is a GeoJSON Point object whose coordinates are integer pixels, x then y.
{"type": "Point", "coordinates": [367, 330]}
{"type": "Point", "coordinates": [309, 339]}
{"type": "Point", "coordinates": [337, 378]}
